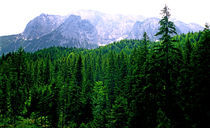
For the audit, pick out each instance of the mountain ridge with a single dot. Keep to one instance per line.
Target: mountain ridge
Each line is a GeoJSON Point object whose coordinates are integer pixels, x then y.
{"type": "Point", "coordinates": [85, 29]}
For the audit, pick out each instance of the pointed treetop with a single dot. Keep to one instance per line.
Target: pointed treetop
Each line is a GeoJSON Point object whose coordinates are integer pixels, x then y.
{"type": "Point", "coordinates": [167, 28]}
{"type": "Point", "coordinates": [206, 26]}
{"type": "Point", "coordinates": [145, 36]}
{"type": "Point", "coordinates": [165, 12]}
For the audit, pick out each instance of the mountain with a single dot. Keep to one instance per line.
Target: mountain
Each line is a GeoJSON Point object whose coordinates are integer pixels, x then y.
{"type": "Point", "coordinates": [116, 27]}
{"type": "Point", "coordinates": [84, 29]}
{"type": "Point", "coordinates": [110, 27]}
{"type": "Point", "coordinates": [185, 28]}
{"type": "Point", "coordinates": [76, 28]}
{"type": "Point", "coordinates": [10, 43]}
{"type": "Point", "coordinates": [195, 27]}
{"type": "Point", "coordinates": [69, 32]}
{"type": "Point", "coordinates": [42, 25]}
{"type": "Point", "coordinates": [73, 32]}
{"type": "Point", "coordinates": [151, 26]}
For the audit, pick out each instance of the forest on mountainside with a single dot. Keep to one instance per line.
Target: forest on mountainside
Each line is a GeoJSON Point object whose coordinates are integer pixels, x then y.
{"type": "Point", "coordinates": [127, 84]}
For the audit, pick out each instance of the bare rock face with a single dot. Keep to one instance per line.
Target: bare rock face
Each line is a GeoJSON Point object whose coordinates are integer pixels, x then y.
{"type": "Point", "coordinates": [185, 28]}
{"type": "Point", "coordinates": [76, 28]}
{"type": "Point", "coordinates": [73, 32]}
{"type": "Point", "coordinates": [71, 27]}
{"type": "Point", "coordinates": [151, 26]}
{"type": "Point", "coordinates": [110, 27]}
{"type": "Point", "coordinates": [42, 25]}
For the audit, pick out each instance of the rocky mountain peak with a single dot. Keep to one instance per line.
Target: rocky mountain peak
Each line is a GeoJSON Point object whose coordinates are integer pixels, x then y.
{"type": "Point", "coordinates": [76, 28]}
{"type": "Point", "coordinates": [42, 25]}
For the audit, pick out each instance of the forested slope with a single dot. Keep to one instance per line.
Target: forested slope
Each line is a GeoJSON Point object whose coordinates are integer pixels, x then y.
{"type": "Point", "coordinates": [119, 85]}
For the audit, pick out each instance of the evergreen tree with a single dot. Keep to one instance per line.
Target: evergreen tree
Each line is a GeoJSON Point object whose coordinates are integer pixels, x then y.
{"type": "Point", "coordinates": [167, 28]}
{"type": "Point", "coordinates": [17, 95]}
{"type": "Point", "coordinates": [168, 57]}
{"type": "Point", "coordinates": [54, 108]}
{"type": "Point", "coordinates": [110, 78]}
{"type": "Point", "coordinates": [74, 113]}
{"type": "Point", "coordinates": [119, 114]}
{"type": "Point", "coordinates": [86, 93]}
{"type": "Point", "coordinates": [201, 81]}
{"type": "Point", "coordinates": [99, 105]}
{"type": "Point", "coordinates": [3, 96]}
{"type": "Point", "coordinates": [47, 72]}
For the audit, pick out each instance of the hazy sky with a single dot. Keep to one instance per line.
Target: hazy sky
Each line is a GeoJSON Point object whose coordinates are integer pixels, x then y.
{"type": "Point", "coordinates": [15, 14]}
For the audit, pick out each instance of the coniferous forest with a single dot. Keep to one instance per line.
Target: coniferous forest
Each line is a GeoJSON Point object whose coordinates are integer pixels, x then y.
{"type": "Point", "coordinates": [127, 84]}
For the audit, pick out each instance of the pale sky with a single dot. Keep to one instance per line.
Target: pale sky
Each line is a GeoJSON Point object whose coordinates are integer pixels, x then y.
{"type": "Point", "coordinates": [15, 14]}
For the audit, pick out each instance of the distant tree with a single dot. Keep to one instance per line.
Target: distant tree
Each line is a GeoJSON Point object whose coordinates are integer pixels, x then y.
{"type": "Point", "coordinates": [206, 26]}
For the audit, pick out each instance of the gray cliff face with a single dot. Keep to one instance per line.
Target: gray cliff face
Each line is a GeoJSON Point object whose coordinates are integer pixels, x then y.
{"type": "Point", "coordinates": [71, 27]}
{"type": "Point", "coordinates": [73, 32]}
{"type": "Point", "coordinates": [49, 30]}
{"type": "Point", "coordinates": [42, 25]}
{"type": "Point", "coordinates": [76, 28]}
{"type": "Point", "coordinates": [185, 28]}
{"type": "Point", "coordinates": [110, 27]}
{"type": "Point", "coordinates": [151, 26]}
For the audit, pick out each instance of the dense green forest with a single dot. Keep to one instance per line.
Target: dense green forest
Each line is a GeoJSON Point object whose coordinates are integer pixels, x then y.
{"type": "Point", "coordinates": [127, 84]}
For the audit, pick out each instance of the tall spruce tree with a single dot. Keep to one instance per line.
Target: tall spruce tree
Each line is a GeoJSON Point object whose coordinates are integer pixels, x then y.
{"type": "Point", "coordinates": [167, 59]}
{"type": "Point", "coordinates": [166, 30]}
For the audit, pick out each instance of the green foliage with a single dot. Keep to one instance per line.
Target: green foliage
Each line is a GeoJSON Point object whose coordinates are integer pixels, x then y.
{"type": "Point", "coordinates": [99, 103]}
{"type": "Point", "coordinates": [162, 120]}
{"type": "Point", "coordinates": [119, 114]}
{"type": "Point", "coordinates": [127, 84]}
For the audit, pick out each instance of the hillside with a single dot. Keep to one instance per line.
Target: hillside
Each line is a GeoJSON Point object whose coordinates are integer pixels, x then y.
{"type": "Point", "coordinates": [118, 85]}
